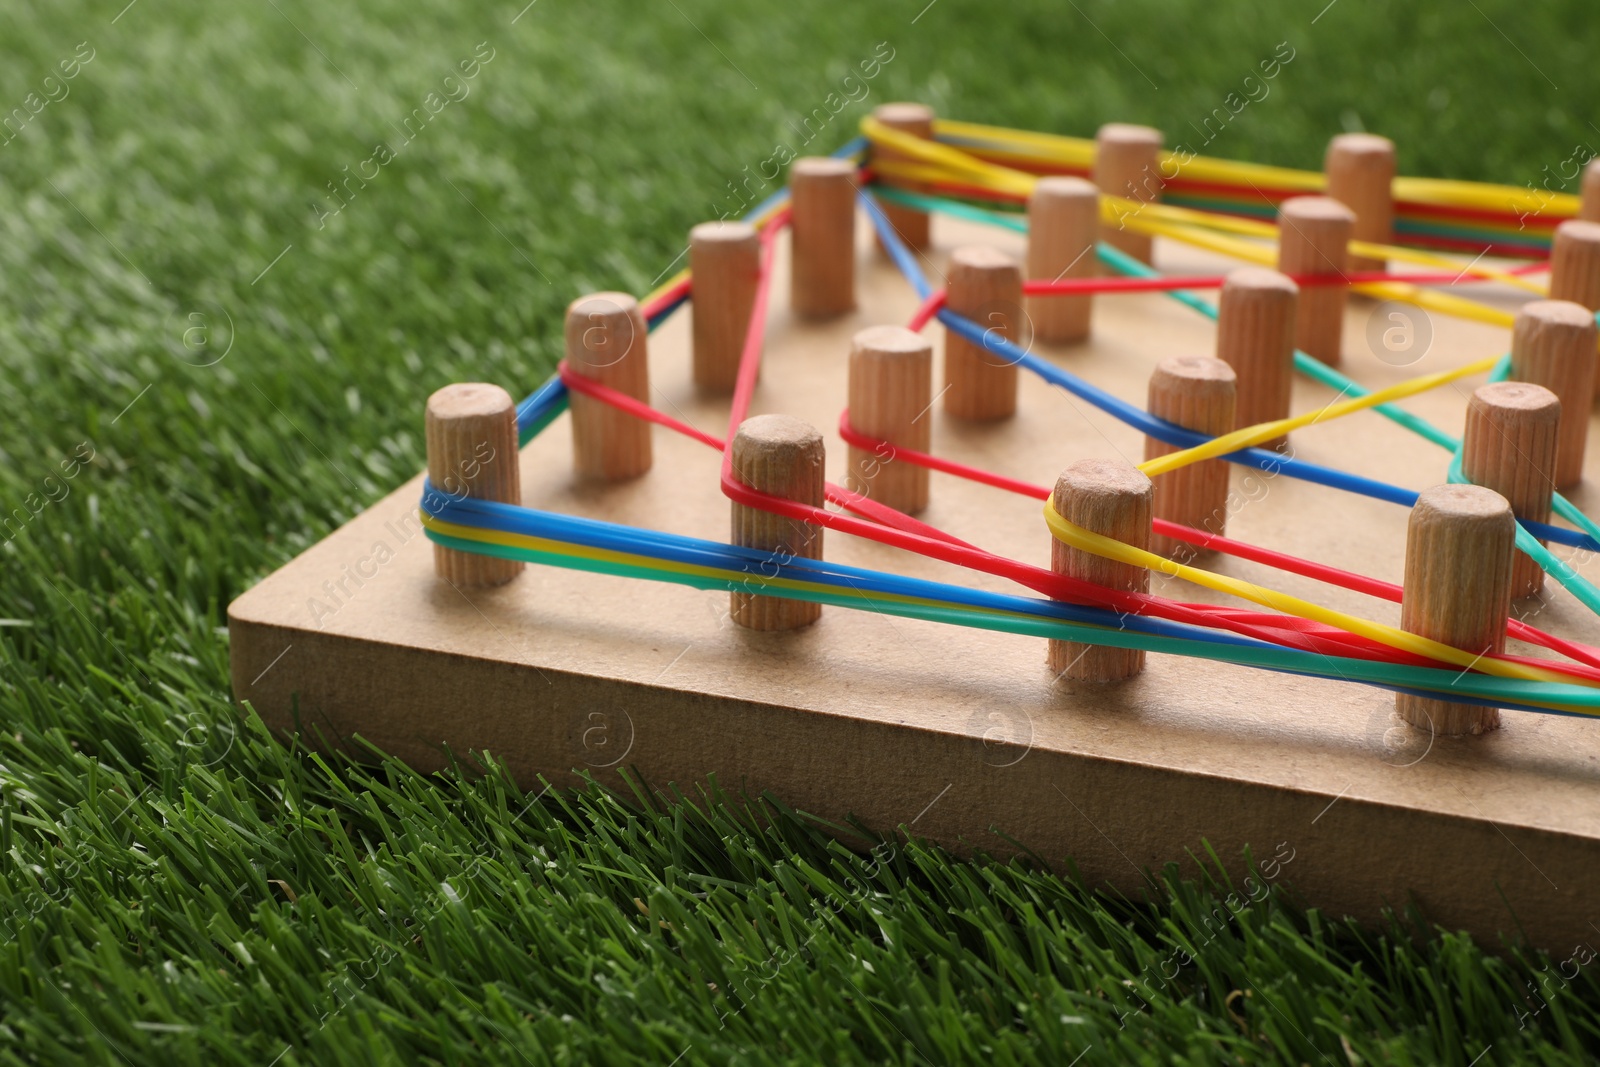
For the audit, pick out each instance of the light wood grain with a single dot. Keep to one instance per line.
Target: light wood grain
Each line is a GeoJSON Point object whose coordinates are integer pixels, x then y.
{"type": "Point", "coordinates": [822, 276]}
{"type": "Point", "coordinates": [725, 261]}
{"type": "Point", "coordinates": [471, 434]}
{"type": "Point", "coordinates": [1127, 163]}
{"type": "Point", "coordinates": [1360, 171]}
{"type": "Point", "coordinates": [1197, 393]}
{"type": "Point", "coordinates": [1255, 336]}
{"type": "Point", "coordinates": [1109, 497]}
{"type": "Point", "coordinates": [782, 456]}
{"type": "Point", "coordinates": [1457, 591]}
{"type": "Point", "coordinates": [891, 399]}
{"type": "Point", "coordinates": [1063, 224]}
{"type": "Point", "coordinates": [911, 225]}
{"type": "Point", "coordinates": [1554, 344]}
{"type": "Point", "coordinates": [1313, 238]}
{"type": "Point", "coordinates": [606, 342]}
{"type": "Point", "coordinates": [984, 285]}
{"type": "Point", "coordinates": [1510, 446]}
{"type": "Point", "coordinates": [1575, 263]}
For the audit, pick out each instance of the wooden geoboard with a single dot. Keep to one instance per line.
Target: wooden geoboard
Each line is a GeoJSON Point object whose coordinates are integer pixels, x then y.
{"type": "Point", "coordinates": [955, 734]}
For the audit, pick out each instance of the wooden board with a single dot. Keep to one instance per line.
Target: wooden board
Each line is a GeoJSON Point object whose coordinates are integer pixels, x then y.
{"type": "Point", "coordinates": [951, 732]}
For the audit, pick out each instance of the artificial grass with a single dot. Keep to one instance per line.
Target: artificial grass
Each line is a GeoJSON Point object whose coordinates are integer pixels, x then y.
{"type": "Point", "coordinates": [178, 887]}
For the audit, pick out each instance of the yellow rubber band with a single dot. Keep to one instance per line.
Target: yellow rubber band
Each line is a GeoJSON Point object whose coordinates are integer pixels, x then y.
{"type": "Point", "coordinates": [1079, 152]}
{"type": "Point", "coordinates": [1393, 636]}
{"type": "Point", "coordinates": [1248, 436]}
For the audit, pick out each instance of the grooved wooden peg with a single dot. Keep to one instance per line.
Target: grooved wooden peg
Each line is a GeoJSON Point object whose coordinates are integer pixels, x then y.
{"type": "Point", "coordinates": [606, 342]}
{"type": "Point", "coordinates": [985, 285]}
{"type": "Point", "coordinates": [1553, 344]}
{"type": "Point", "coordinates": [1112, 498]}
{"type": "Point", "coordinates": [1314, 238]}
{"type": "Point", "coordinates": [1459, 545]}
{"type": "Point", "coordinates": [781, 456]}
{"type": "Point", "coordinates": [1575, 263]}
{"type": "Point", "coordinates": [891, 392]}
{"type": "Point", "coordinates": [725, 267]}
{"type": "Point", "coordinates": [471, 434]}
{"type": "Point", "coordinates": [917, 120]}
{"type": "Point", "coordinates": [1360, 172]}
{"type": "Point", "coordinates": [1063, 224]}
{"type": "Point", "coordinates": [1510, 447]}
{"type": "Point", "coordinates": [1127, 163]}
{"type": "Point", "coordinates": [1197, 393]}
{"type": "Point", "coordinates": [1255, 336]}
{"type": "Point", "coordinates": [822, 249]}
{"type": "Point", "coordinates": [1589, 194]}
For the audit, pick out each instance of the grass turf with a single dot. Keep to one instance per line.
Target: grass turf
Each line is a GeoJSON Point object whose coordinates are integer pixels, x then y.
{"type": "Point", "coordinates": [178, 887]}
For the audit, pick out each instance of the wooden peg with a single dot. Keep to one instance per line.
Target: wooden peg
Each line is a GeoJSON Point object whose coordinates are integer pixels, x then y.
{"type": "Point", "coordinates": [985, 285]}
{"type": "Point", "coordinates": [1589, 194]}
{"type": "Point", "coordinates": [1457, 590]}
{"type": "Point", "coordinates": [471, 434]}
{"type": "Point", "coordinates": [724, 268]}
{"type": "Point", "coordinates": [1314, 238]}
{"type": "Point", "coordinates": [1063, 224]}
{"type": "Point", "coordinates": [606, 342]}
{"type": "Point", "coordinates": [891, 394]}
{"type": "Point", "coordinates": [1197, 393]}
{"type": "Point", "coordinates": [1575, 263]}
{"type": "Point", "coordinates": [1553, 344]}
{"type": "Point", "coordinates": [1510, 447]}
{"type": "Point", "coordinates": [822, 249]}
{"type": "Point", "coordinates": [781, 456]}
{"type": "Point", "coordinates": [1127, 163]}
{"type": "Point", "coordinates": [1255, 336]}
{"type": "Point", "coordinates": [1360, 172]}
{"type": "Point", "coordinates": [1112, 498]}
{"type": "Point", "coordinates": [917, 120]}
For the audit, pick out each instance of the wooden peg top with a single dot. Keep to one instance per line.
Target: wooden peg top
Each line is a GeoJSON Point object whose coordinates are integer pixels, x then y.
{"type": "Point", "coordinates": [821, 167]}
{"type": "Point", "coordinates": [890, 341]}
{"type": "Point", "coordinates": [724, 232]}
{"type": "Point", "coordinates": [979, 259]}
{"type": "Point", "coordinates": [912, 118]}
{"type": "Point", "coordinates": [1316, 210]}
{"type": "Point", "coordinates": [1128, 135]}
{"type": "Point", "coordinates": [468, 400]}
{"type": "Point", "coordinates": [1099, 487]}
{"type": "Point", "coordinates": [601, 329]}
{"type": "Point", "coordinates": [1467, 511]}
{"type": "Point", "coordinates": [1199, 376]}
{"type": "Point", "coordinates": [1260, 279]}
{"type": "Point", "coordinates": [1053, 188]}
{"type": "Point", "coordinates": [1522, 401]}
{"type": "Point", "coordinates": [781, 438]}
{"type": "Point", "coordinates": [1555, 314]}
{"type": "Point", "coordinates": [981, 279]}
{"type": "Point", "coordinates": [1369, 149]}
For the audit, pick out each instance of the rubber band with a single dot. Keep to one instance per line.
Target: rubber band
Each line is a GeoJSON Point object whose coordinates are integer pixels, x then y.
{"type": "Point", "coordinates": [1108, 548]}
{"type": "Point", "coordinates": [1209, 541]}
